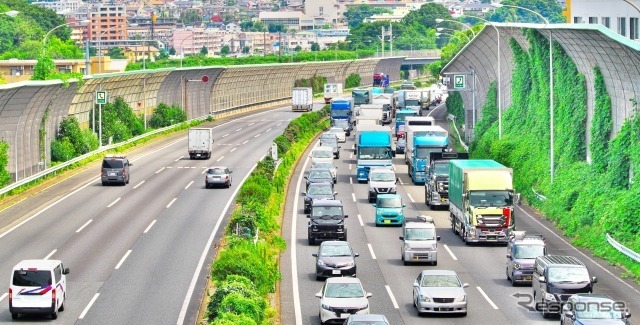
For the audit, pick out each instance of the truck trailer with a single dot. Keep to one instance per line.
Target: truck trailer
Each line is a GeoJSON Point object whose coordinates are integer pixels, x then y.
{"type": "Point", "coordinates": [332, 91]}
{"type": "Point", "coordinates": [421, 141]}
{"type": "Point", "coordinates": [481, 201]}
{"type": "Point", "coordinates": [302, 99]}
{"type": "Point", "coordinates": [200, 143]}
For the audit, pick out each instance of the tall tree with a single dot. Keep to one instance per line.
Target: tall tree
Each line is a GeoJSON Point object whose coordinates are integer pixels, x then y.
{"type": "Point", "coordinates": [426, 16]}
{"type": "Point", "coordinates": [204, 50]}
{"type": "Point", "coordinates": [355, 15]}
{"type": "Point", "coordinates": [548, 9]}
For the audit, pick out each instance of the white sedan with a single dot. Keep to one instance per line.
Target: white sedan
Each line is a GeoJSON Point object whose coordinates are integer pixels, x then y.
{"type": "Point", "coordinates": [340, 134]}
{"type": "Point", "coordinates": [341, 297]}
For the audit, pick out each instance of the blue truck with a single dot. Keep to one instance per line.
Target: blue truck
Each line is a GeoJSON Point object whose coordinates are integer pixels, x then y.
{"type": "Point", "coordinates": [400, 116]}
{"type": "Point", "coordinates": [374, 149]}
{"type": "Point", "coordinates": [342, 114]}
{"type": "Point", "coordinates": [422, 140]}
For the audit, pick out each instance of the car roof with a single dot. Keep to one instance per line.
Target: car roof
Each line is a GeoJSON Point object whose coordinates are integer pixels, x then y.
{"type": "Point", "coordinates": [439, 272]}
{"type": "Point", "coordinates": [343, 280]}
{"type": "Point", "coordinates": [335, 243]}
{"type": "Point", "coordinates": [318, 184]}
{"type": "Point", "coordinates": [368, 317]}
{"type": "Point", "coordinates": [37, 264]}
{"type": "Point", "coordinates": [414, 224]}
{"type": "Point", "coordinates": [320, 148]}
{"type": "Point", "coordinates": [115, 157]}
{"type": "Point", "coordinates": [218, 167]}
{"type": "Point", "coordinates": [319, 169]}
{"type": "Point", "coordinates": [333, 203]}
{"type": "Point", "coordinates": [389, 196]}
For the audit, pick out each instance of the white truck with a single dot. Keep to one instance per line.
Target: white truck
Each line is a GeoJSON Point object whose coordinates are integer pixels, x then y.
{"type": "Point", "coordinates": [371, 110]}
{"type": "Point", "coordinates": [419, 120]}
{"type": "Point", "coordinates": [386, 101]}
{"type": "Point", "coordinates": [332, 91]}
{"type": "Point", "coordinates": [302, 99]}
{"type": "Point", "coordinates": [200, 143]}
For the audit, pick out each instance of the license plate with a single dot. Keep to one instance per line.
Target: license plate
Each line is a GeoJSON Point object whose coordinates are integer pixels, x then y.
{"type": "Point", "coordinates": [442, 200]}
{"type": "Point", "coordinates": [112, 174]}
{"type": "Point", "coordinates": [527, 278]}
{"type": "Point", "coordinates": [417, 258]}
{"type": "Point", "coordinates": [335, 272]}
{"type": "Point", "coordinates": [387, 221]}
{"type": "Point", "coordinates": [491, 237]}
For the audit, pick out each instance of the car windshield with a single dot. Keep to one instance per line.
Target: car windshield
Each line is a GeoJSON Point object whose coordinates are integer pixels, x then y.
{"type": "Point", "coordinates": [568, 274]}
{"type": "Point", "coordinates": [489, 198]}
{"type": "Point", "coordinates": [528, 251]}
{"type": "Point", "coordinates": [30, 278]}
{"type": "Point", "coordinates": [112, 163]}
{"type": "Point", "coordinates": [383, 177]}
{"type": "Point", "coordinates": [320, 190]}
{"type": "Point", "coordinates": [344, 290]}
{"type": "Point", "coordinates": [596, 310]}
{"type": "Point", "coordinates": [327, 211]}
{"type": "Point", "coordinates": [440, 281]}
{"type": "Point", "coordinates": [374, 153]}
{"type": "Point", "coordinates": [441, 168]}
{"type": "Point", "coordinates": [322, 154]}
{"type": "Point", "coordinates": [389, 203]}
{"type": "Point", "coordinates": [329, 142]}
{"type": "Point", "coordinates": [419, 234]}
{"type": "Point", "coordinates": [327, 135]}
{"type": "Point", "coordinates": [335, 250]}
{"type": "Point", "coordinates": [216, 171]}
{"type": "Point", "coordinates": [319, 174]}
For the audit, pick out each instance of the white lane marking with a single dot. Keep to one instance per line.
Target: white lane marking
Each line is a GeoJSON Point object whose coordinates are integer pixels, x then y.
{"type": "Point", "coordinates": [373, 255]}
{"type": "Point", "coordinates": [226, 135]}
{"type": "Point", "coordinates": [86, 309]}
{"type": "Point", "coordinates": [278, 124]}
{"type": "Point", "coordinates": [193, 167]}
{"type": "Point", "coordinates": [577, 250]}
{"type": "Point", "coordinates": [49, 256]}
{"type": "Point", "coordinates": [351, 155]}
{"type": "Point", "coordinates": [186, 187]}
{"type": "Point", "coordinates": [85, 224]}
{"type": "Point", "coordinates": [238, 129]}
{"type": "Point", "coordinates": [245, 141]}
{"type": "Point", "coordinates": [252, 123]}
{"type": "Point", "coordinates": [114, 202]}
{"type": "Point", "coordinates": [4, 296]}
{"type": "Point", "coordinates": [194, 279]}
{"type": "Point", "coordinates": [161, 169]}
{"type": "Point", "coordinates": [290, 119]}
{"type": "Point", "coordinates": [257, 135]}
{"type": "Point", "coordinates": [169, 167]}
{"type": "Point", "coordinates": [353, 195]}
{"type": "Point", "coordinates": [149, 227]}
{"type": "Point", "coordinates": [122, 259]}
{"type": "Point", "coordinates": [135, 187]}
{"type": "Point", "coordinates": [487, 298]}
{"type": "Point", "coordinates": [180, 167]}
{"type": "Point", "coordinates": [220, 158]}
{"type": "Point", "coordinates": [294, 261]}
{"type": "Point", "coordinates": [411, 198]}
{"type": "Point", "coordinates": [232, 150]}
{"type": "Point", "coordinates": [269, 129]}
{"type": "Point", "coordinates": [170, 203]}
{"type": "Point", "coordinates": [349, 166]}
{"type": "Point", "coordinates": [351, 180]}
{"type": "Point", "coordinates": [400, 179]}
{"type": "Point", "coordinates": [179, 158]}
{"type": "Point", "coordinates": [360, 221]}
{"type": "Point", "coordinates": [450, 252]}
{"type": "Point", "coordinates": [204, 170]}
{"type": "Point", "coordinates": [393, 299]}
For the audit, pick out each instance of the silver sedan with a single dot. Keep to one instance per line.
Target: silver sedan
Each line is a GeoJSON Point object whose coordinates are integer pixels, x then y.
{"type": "Point", "coordinates": [220, 176]}
{"type": "Point", "coordinates": [439, 291]}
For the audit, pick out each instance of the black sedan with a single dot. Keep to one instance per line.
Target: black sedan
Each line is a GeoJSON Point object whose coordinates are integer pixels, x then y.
{"type": "Point", "coordinates": [318, 175]}
{"type": "Point", "coordinates": [335, 258]}
{"type": "Point", "coordinates": [318, 191]}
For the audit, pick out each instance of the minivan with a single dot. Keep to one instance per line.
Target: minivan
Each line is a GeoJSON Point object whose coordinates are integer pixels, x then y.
{"type": "Point", "coordinates": [555, 279]}
{"type": "Point", "coordinates": [115, 169]}
{"type": "Point", "coordinates": [38, 287]}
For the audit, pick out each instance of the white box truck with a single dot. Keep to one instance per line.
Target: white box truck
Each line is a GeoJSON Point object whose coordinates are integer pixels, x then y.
{"type": "Point", "coordinates": [332, 91]}
{"type": "Point", "coordinates": [200, 143]}
{"type": "Point", "coordinates": [302, 99]}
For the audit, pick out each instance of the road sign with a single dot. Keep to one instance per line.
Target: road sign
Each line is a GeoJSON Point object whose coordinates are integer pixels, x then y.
{"type": "Point", "coordinates": [458, 81]}
{"type": "Point", "coordinates": [101, 97]}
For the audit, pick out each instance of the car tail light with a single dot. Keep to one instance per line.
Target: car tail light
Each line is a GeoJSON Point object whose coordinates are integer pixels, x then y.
{"type": "Point", "coordinates": [53, 295]}
{"type": "Point", "coordinates": [124, 172]}
{"type": "Point", "coordinates": [227, 176]}
{"type": "Point", "coordinates": [10, 295]}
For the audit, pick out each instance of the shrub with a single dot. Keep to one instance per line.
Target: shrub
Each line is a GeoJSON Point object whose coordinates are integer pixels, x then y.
{"type": "Point", "coordinates": [232, 284]}
{"type": "Point", "coordinates": [165, 115]}
{"type": "Point", "coordinates": [239, 303]}
{"type": "Point", "coordinates": [352, 81]}
{"type": "Point", "coordinates": [62, 150]}
{"type": "Point", "coordinates": [228, 318]}
{"type": "Point", "coordinates": [5, 177]}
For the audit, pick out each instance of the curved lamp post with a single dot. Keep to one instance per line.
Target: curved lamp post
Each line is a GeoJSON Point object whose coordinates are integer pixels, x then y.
{"type": "Point", "coordinates": [551, 103]}
{"type": "Point", "coordinates": [100, 45]}
{"type": "Point", "coordinates": [182, 50]}
{"type": "Point", "coordinates": [44, 39]}
{"type": "Point", "coordinates": [439, 20]}
{"type": "Point", "coordinates": [440, 29]}
{"type": "Point", "coordinates": [11, 13]}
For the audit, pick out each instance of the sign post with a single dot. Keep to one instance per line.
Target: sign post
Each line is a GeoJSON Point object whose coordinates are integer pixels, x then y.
{"type": "Point", "coordinates": [101, 98]}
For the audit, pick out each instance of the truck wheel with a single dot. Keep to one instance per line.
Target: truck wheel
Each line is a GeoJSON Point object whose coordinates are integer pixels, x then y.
{"type": "Point", "coordinates": [434, 263]}
{"type": "Point", "coordinates": [14, 315]}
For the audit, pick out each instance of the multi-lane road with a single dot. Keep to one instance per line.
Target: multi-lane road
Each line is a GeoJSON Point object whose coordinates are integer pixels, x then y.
{"type": "Point", "coordinates": [491, 298]}
{"type": "Point", "coordinates": [138, 254]}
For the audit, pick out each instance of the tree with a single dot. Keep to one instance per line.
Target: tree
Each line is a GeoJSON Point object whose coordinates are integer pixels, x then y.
{"type": "Point", "coordinates": [426, 16]}
{"type": "Point", "coordinates": [172, 51]}
{"type": "Point", "coordinates": [315, 47]}
{"type": "Point", "coordinates": [355, 15]}
{"type": "Point", "coordinates": [44, 68]}
{"type": "Point", "coordinates": [245, 50]}
{"type": "Point", "coordinates": [298, 48]}
{"type": "Point", "coordinates": [115, 53]}
{"type": "Point", "coordinates": [204, 51]}
{"type": "Point", "coordinates": [276, 28]}
{"type": "Point", "coordinates": [548, 9]}
{"type": "Point", "coordinates": [225, 50]}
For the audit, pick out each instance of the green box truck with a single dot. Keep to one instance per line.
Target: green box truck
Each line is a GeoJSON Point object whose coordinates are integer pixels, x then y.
{"type": "Point", "coordinates": [481, 200]}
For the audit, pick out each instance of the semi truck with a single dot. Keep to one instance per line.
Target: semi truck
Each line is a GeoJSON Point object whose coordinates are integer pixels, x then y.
{"type": "Point", "coordinates": [302, 99]}
{"type": "Point", "coordinates": [400, 118]}
{"type": "Point", "coordinates": [200, 143]}
{"type": "Point", "coordinates": [421, 141]}
{"type": "Point", "coordinates": [361, 96]}
{"type": "Point", "coordinates": [385, 101]}
{"type": "Point", "coordinates": [481, 200]}
{"type": "Point", "coordinates": [380, 80]}
{"type": "Point", "coordinates": [436, 186]}
{"type": "Point", "coordinates": [374, 149]}
{"type": "Point", "coordinates": [332, 91]}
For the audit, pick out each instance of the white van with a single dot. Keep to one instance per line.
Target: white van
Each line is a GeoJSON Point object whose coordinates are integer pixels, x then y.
{"type": "Point", "coordinates": [37, 287]}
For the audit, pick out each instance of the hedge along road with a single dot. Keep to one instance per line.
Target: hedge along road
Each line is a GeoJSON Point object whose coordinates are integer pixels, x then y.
{"type": "Point", "coordinates": [491, 297]}
{"type": "Point", "coordinates": [133, 250]}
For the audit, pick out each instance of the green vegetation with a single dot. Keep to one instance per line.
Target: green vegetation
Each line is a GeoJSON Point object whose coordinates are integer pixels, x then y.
{"type": "Point", "coordinates": [586, 200]}
{"type": "Point", "coordinates": [316, 82]}
{"type": "Point", "coordinates": [165, 115]}
{"type": "Point", "coordinates": [5, 177]}
{"type": "Point", "coordinates": [245, 273]}
{"type": "Point", "coordinates": [355, 15]}
{"type": "Point", "coordinates": [352, 81]}
{"type": "Point", "coordinates": [551, 10]}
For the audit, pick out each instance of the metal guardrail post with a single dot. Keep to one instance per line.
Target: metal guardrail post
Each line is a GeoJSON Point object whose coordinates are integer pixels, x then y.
{"type": "Point", "coordinates": [622, 249]}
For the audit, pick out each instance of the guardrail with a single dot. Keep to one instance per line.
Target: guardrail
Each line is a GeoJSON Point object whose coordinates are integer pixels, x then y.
{"type": "Point", "coordinates": [453, 119]}
{"type": "Point", "coordinates": [622, 249]}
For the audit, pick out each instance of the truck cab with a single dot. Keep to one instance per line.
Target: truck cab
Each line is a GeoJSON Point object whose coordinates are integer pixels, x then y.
{"type": "Point", "coordinates": [381, 181]}
{"type": "Point", "coordinates": [389, 210]}
{"type": "Point", "coordinates": [419, 242]}
{"type": "Point", "coordinates": [422, 140]}
{"type": "Point", "coordinates": [373, 150]}
{"type": "Point", "coordinates": [400, 118]}
{"type": "Point", "coordinates": [326, 221]}
{"type": "Point", "coordinates": [436, 186]}
{"type": "Point", "coordinates": [341, 111]}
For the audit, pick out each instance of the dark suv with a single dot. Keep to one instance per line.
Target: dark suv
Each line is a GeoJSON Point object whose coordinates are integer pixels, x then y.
{"type": "Point", "coordinates": [115, 169]}
{"type": "Point", "coordinates": [326, 221]}
{"type": "Point", "coordinates": [522, 250]}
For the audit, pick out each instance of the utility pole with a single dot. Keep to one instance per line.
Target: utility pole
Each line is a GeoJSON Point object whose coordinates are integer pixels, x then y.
{"type": "Point", "coordinates": [391, 39]}
{"type": "Point", "coordinates": [382, 39]}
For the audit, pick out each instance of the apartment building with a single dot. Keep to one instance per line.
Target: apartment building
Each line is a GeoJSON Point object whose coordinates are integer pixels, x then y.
{"type": "Point", "coordinates": [108, 24]}
{"type": "Point", "coordinates": [617, 15]}
{"type": "Point", "coordinates": [190, 41]}
{"type": "Point", "coordinates": [290, 19]}
{"type": "Point", "coordinates": [61, 7]}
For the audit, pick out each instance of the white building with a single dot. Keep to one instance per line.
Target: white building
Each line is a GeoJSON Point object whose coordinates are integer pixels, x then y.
{"type": "Point", "coordinates": [618, 16]}
{"type": "Point", "coordinates": [61, 7]}
{"type": "Point", "coordinates": [330, 10]}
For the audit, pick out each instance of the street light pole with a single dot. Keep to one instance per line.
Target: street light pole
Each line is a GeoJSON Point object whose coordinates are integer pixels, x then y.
{"type": "Point", "coordinates": [182, 50]}
{"type": "Point", "coordinates": [440, 29]}
{"type": "Point", "coordinates": [99, 47]}
{"type": "Point", "coordinates": [457, 22]}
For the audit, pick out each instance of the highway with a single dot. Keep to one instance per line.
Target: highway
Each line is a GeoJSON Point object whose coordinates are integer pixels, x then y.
{"type": "Point", "coordinates": [491, 298]}
{"type": "Point", "coordinates": [138, 254]}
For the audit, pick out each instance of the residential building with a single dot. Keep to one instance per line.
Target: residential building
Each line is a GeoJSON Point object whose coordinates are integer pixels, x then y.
{"type": "Point", "coordinates": [61, 7]}
{"type": "Point", "coordinates": [290, 19]}
{"type": "Point", "coordinates": [190, 41]}
{"type": "Point", "coordinates": [135, 53]}
{"type": "Point", "coordinates": [79, 33]}
{"type": "Point", "coordinates": [384, 17]}
{"type": "Point", "coordinates": [108, 23]}
{"type": "Point", "coordinates": [619, 16]}
{"type": "Point", "coordinates": [330, 10]}
{"type": "Point", "coordinates": [15, 70]}
{"type": "Point", "coordinates": [261, 43]}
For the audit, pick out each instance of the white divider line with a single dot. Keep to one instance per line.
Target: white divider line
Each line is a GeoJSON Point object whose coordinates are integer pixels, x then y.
{"type": "Point", "coordinates": [487, 298]}
{"type": "Point", "coordinates": [49, 256]}
{"type": "Point", "coordinates": [278, 123]}
{"type": "Point", "coordinates": [245, 141]}
{"type": "Point", "coordinates": [186, 187]}
{"type": "Point", "coordinates": [135, 187]}
{"type": "Point", "coordinates": [353, 195]}
{"type": "Point", "coordinates": [351, 180]}
{"type": "Point", "coordinates": [411, 198]}
{"type": "Point", "coordinates": [349, 166]}
{"type": "Point", "coordinates": [450, 252]}
{"type": "Point", "coordinates": [351, 155]}
{"type": "Point", "coordinates": [122, 259]}
{"type": "Point", "coordinates": [373, 255]}
{"type": "Point", "coordinates": [80, 229]}
{"type": "Point", "coordinates": [114, 202]}
{"type": "Point", "coordinates": [238, 129]}
{"type": "Point", "coordinates": [4, 296]}
{"type": "Point", "coordinates": [234, 149]}
{"type": "Point", "coordinates": [393, 299]}
{"type": "Point", "coordinates": [170, 203]}
{"type": "Point", "coordinates": [86, 309]}
{"type": "Point", "coordinates": [252, 123]}
{"type": "Point", "coordinates": [220, 158]}
{"type": "Point", "coordinates": [159, 170]}
{"type": "Point", "coordinates": [360, 220]}
{"type": "Point", "coordinates": [226, 135]}
{"type": "Point", "coordinates": [400, 179]}
{"type": "Point", "coordinates": [179, 158]}
{"type": "Point", "coordinates": [257, 135]}
{"type": "Point", "coordinates": [204, 170]}
{"type": "Point", "coordinates": [149, 227]}
{"type": "Point", "coordinates": [269, 129]}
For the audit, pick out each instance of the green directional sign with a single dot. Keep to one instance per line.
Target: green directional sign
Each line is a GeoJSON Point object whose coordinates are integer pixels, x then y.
{"type": "Point", "coordinates": [458, 81]}
{"type": "Point", "coordinates": [101, 97]}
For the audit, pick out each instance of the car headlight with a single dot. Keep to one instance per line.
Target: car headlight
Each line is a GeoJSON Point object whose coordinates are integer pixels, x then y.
{"type": "Point", "coordinates": [407, 247]}
{"type": "Point", "coordinates": [326, 307]}
{"type": "Point", "coordinates": [424, 298]}
{"type": "Point", "coordinates": [320, 262]}
{"type": "Point", "coordinates": [549, 297]}
{"type": "Point", "coordinates": [436, 195]}
{"type": "Point", "coordinates": [461, 299]}
{"type": "Point", "coordinates": [363, 307]}
{"type": "Point", "coordinates": [516, 266]}
{"type": "Point", "coordinates": [351, 263]}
